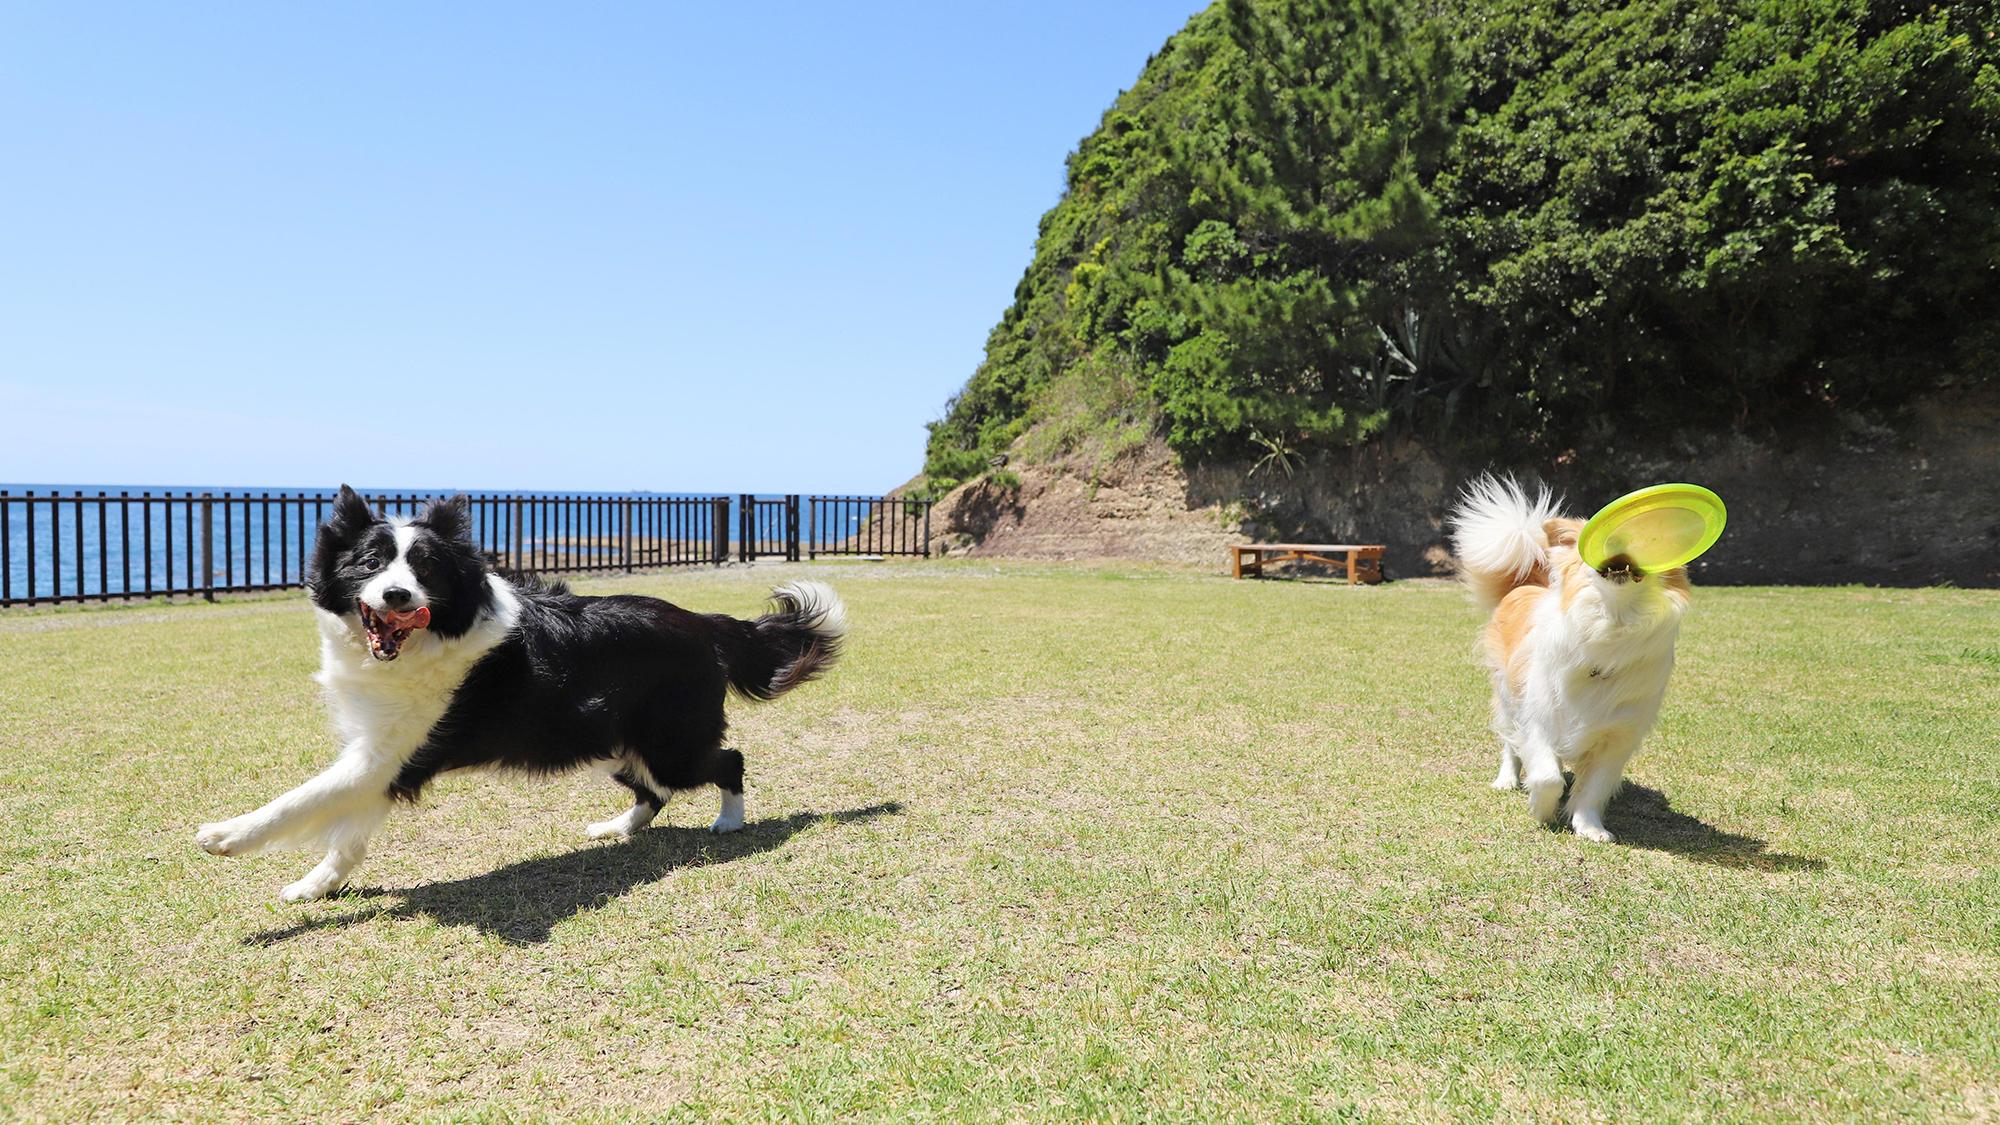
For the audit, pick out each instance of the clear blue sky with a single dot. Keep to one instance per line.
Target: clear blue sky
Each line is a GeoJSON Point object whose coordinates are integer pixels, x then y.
{"type": "Point", "coordinates": [662, 246]}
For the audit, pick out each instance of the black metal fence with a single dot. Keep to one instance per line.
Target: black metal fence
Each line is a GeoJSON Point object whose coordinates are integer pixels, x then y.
{"type": "Point", "coordinates": [109, 546]}
{"type": "Point", "coordinates": [867, 525]}
{"type": "Point", "coordinates": [767, 528]}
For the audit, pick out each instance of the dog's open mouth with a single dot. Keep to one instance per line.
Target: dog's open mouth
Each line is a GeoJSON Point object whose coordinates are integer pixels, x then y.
{"type": "Point", "coordinates": [1618, 568]}
{"type": "Point", "coordinates": [388, 629]}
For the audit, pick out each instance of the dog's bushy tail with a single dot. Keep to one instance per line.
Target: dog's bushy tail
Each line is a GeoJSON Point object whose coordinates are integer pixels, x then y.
{"type": "Point", "coordinates": [792, 644]}
{"type": "Point", "coordinates": [1501, 537]}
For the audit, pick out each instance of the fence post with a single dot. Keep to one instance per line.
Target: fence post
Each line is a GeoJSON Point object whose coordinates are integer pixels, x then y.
{"type": "Point", "coordinates": [812, 528]}
{"type": "Point", "coordinates": [625, 532]}
{"type": "Point", "coordinates": [207, 547]}
{"type": "Point", "coordinates": [514, 536]}
{"type": "Point", "coordinates": [30, 512]}
{"type": "Point", "coordinates": [927, 529]}
{"type": "Point", "coordinates": [792, 528]}
{"type": "Point", "coordinates": [746, 527]}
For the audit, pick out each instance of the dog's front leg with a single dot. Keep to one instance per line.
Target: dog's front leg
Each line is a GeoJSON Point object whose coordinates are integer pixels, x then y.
{"type": "Point", "coordinates": [1542, 772]}
{"type": "Point", "coordinates": [305, 813]}
{"type": "Point", "coordinates": [347, 845]}
{"type": "Point", "coordinates": [1597, 780]}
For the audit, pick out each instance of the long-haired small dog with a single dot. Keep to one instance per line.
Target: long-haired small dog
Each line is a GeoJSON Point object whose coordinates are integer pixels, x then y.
{"type": "Point", "coordinates": [431, 662]}
{"type": "Point", "coordinates": [1579, 657]}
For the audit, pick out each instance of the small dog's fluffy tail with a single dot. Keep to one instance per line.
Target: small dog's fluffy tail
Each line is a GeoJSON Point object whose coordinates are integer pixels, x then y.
{"type": "Point", "coordinates": [1501, 537]}
{"type": "Point", "coordinates": [792, 644]}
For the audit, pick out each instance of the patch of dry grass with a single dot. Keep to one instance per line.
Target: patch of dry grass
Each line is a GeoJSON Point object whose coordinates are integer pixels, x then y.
{"type": "Point", "coordinates": [1069, 842]}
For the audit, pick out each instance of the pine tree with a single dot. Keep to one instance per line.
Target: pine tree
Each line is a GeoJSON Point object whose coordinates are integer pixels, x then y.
{"type": "Point", "coordinates": [1306, 190]}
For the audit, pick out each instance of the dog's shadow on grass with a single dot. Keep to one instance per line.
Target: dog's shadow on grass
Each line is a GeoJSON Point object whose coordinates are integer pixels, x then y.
{"type": "Point", "coordinates": [521, 903]}
{"type": "Point", "coordinates": [1646, 818]}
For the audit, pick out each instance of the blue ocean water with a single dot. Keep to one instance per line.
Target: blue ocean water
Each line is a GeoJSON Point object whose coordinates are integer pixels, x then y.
{"type": "Point", "coordinates": [93, 541]}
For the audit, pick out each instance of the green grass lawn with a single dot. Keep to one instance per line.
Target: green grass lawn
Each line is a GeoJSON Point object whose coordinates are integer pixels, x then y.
{"type": "Point", "coordinates": [1052, 842]}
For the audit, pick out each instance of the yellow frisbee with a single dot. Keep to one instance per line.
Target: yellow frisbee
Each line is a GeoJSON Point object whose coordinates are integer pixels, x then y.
{"type": "Point", "coordinates": [1658, 528]}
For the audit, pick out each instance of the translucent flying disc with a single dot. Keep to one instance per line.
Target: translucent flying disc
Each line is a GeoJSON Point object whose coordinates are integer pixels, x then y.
{"type": "Point", "coordinates": [1658, 528]}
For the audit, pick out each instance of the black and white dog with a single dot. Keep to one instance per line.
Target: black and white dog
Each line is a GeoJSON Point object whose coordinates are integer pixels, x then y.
{"type": "Point", "coordinates": [431, 662]}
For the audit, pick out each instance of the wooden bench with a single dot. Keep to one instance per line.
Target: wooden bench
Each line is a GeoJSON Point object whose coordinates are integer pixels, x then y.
{"type": "Point", "coordinates": [1363, 561]}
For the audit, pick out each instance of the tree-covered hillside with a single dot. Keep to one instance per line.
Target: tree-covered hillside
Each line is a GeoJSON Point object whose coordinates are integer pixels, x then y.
{"type": "Point", "coordinates": [1520, 221]}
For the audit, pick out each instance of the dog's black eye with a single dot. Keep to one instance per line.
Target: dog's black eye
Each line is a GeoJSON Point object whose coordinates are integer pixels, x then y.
{"type": "Point", "coordinates": [369, 563]}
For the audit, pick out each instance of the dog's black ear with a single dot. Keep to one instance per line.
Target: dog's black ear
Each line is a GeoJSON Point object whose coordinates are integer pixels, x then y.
{"type": "Point", "coordinates": [351, 514]}
{"type": "Point", "coordinates": [450, 517]}
{"type": "Point", "coordinates": [345, 525]}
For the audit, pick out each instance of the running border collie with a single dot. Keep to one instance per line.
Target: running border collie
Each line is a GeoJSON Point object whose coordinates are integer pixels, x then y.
{"type": "Point", "coordinates": [432, 662]}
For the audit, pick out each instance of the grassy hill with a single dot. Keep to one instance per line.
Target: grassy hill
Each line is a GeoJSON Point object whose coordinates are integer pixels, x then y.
{"type": "Point", "coordinates": [1511, 224]}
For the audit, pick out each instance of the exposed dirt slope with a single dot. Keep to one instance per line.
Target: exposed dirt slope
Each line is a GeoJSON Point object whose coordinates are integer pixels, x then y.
{"type": "Point", "coordinates": [1916, 501]}
{"type": "Point", "coordinates": [1140, 506]}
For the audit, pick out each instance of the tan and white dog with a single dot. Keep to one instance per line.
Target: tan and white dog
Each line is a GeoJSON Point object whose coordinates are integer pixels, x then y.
{"type": "Point", "coordinates": [1579, 657]}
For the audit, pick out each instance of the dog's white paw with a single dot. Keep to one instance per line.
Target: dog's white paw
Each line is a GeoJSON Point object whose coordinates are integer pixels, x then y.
{"type": "Point", "coordinates": [1506, 783]}
{"type": "Point", "coordinates": [731, 816]}
{"type": "Point", "coordinates": [1595, 833]}
{"type": "Point", "coordinates": [312, 888]}
{"type": "Point", "coordinates": [623, 825]}
{"type": "Point", "coordinates": [227, 837]}
{"type": "Point", "coordinates": [1543, 797]}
